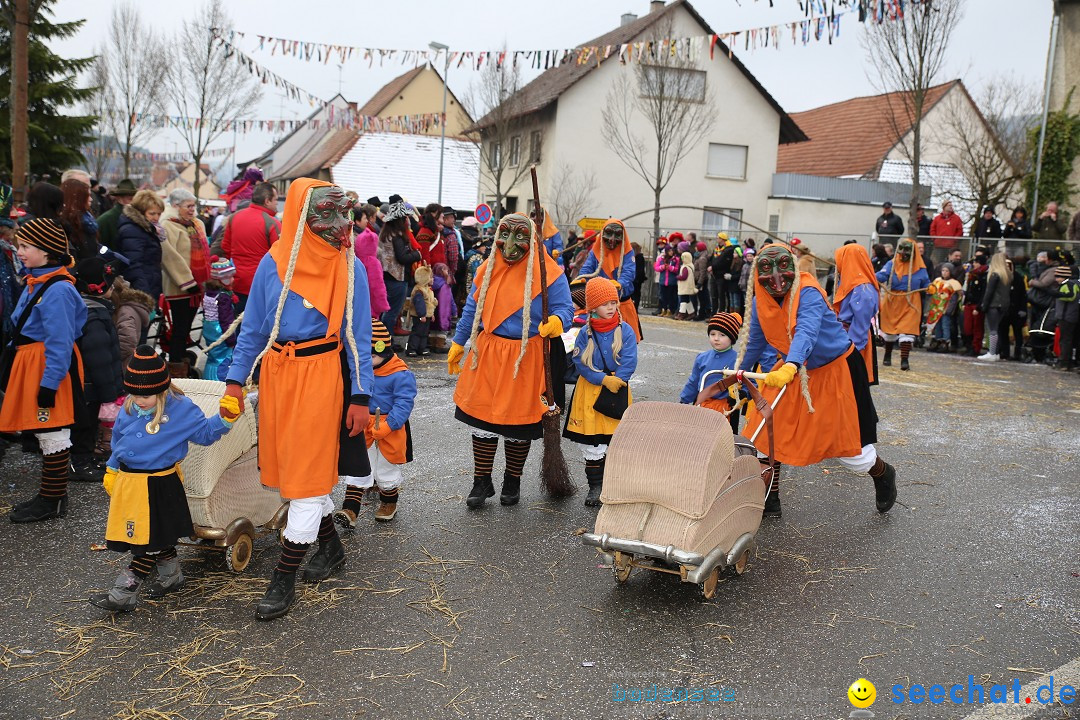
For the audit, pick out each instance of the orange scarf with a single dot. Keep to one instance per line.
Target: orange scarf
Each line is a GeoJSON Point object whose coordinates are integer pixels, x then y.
{"type": "Point", "coordinates": [854, 268]}
{"type": "Point", "coordinates": [507, 288]}
{"type": "Point", "coordinates": [392, 365]}
{"type": "Point", "coordinates": [773, 316]}
{"type": "Point", "coordinates": [321, 275]}
{"type": "Point", "coordinates": [32, 281]}
{"type": "Point", "coordinates": [612, 260]}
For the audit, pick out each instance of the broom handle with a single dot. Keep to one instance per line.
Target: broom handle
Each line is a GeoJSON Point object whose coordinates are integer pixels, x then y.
{"type": "Point", "coordinates": [549, 394]}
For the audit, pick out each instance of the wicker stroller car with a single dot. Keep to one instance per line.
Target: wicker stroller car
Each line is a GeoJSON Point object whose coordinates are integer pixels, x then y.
{"type": "Point", "coordinates": [691, 508]}
{"type": "Point", "coordinates": [228, 504]}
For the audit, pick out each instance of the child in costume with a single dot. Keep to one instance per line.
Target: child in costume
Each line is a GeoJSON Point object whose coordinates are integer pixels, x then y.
{"type": "Point", "coordinates": [856, 301]}
{"type": "Point", "coordinates": [605, 354]}
{"type": "Point", "coordinates": [502, 379]}
{"type": "Point", "coordinates": [828, 412]}
{"type": "Point", "coordinates": [42, 368]}
{"type": "Point", "coordinates": [421, 311]}
{"type": "Point", "coordinates": [148, 510]}
{"type": "Point", "coordinates": [903, 279]}
{"type": "Point", "coordinates": [613, 257]}
{"type": "Point", "coordinates": [944, 301]}
{"type": "Point", "coordinates": [306, 318]}
{"type": "Point", "coordinates": [388, 437]}
{"type": "Point", "coordinates": [219, 312]}
{"type": "Point", "coordinates": [723, 332]}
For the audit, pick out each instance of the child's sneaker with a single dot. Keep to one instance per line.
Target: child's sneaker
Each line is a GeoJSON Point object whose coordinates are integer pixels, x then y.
{"type": "Point", "coordinates": [411, 353]}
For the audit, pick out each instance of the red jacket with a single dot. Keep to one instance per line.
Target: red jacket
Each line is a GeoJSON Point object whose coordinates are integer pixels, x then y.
{"type": "Point", "coordinates": [432, 247]}
{"type": "Point", "coordinates": [950, 226]}
{"type": "Point", "coordinates": [249, 233]}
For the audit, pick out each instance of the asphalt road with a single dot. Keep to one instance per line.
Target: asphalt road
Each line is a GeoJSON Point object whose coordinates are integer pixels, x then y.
{"type": "Point", "coordinates": [503, 613]}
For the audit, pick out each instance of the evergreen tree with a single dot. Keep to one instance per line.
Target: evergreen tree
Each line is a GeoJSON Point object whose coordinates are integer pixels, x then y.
{"type": "Point", "coordinates": [55, 134]}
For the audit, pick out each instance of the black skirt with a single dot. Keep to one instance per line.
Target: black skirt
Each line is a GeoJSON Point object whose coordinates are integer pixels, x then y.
{"type": "Point", "coordinates": [169, 516]}
{"type": "Point", "coordinates": [860, 387]}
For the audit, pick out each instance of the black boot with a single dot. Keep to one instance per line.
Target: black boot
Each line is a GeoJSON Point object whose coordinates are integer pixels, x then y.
{"type": "Point", "coordinates": [511, 490]}
{"type": "Point", "coordinates": [279, 596]}
{"type": "Point", "coordinates": [328, 559]}
{"type": "Point", "coordinates": [482, 489]}
{"type": "Point", "coordinates": [772, 499]}
{"type": "Point", "coordinates": [904, 364]}
{"type": "Point", "coordinates": [884, 476]}
{"type": "Point", "coordinates": [594, 473]}
{"type": "Point", "coordinates": [887, 360]}
{"type": "Point", "coordinates": [39, 508]}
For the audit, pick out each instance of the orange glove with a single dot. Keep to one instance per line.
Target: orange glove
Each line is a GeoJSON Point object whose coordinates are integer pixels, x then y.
{"type": "Point", "coordinates": [233, 391]}
{"type": "Point", "coordinates": [356, 419]}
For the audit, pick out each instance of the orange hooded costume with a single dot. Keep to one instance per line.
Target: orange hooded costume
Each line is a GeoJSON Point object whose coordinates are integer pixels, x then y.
{"type": "Point", "coordinates": [609, 264]}
{"type": "Point", "coordinates": [854, 268]}
{"type": "Point", "coordinates": [901, 309]}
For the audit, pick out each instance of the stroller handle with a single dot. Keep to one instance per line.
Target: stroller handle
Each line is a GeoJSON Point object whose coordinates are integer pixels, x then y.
{"type": "Point", "coordinates": [763, 406]}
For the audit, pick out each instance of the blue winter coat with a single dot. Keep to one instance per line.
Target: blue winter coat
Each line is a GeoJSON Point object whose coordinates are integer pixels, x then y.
{"type": "Point", "coordinates": [142, 248]}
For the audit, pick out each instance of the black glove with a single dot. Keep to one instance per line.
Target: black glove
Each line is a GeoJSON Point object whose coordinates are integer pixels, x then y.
{"type": "Point", "coordinates": [46, 397]}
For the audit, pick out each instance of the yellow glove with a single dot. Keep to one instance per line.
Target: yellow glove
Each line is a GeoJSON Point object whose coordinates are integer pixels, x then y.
{"type": "Point", "coordinates": [230, 409]}
{"type": "Point", "coordinates": [618, 286]}
{"type": "Point", "coordinates": [733, 391]}
{"type": "Point", "coordinates": [454, 357]}
{"type": "Point", "coordinates": [555, 254]}
{"type": "Point", "coordinates": [780, 378]}
{"type": "Point", "coordinates": [110, 478]}
{"type": "Point", "coordinates": [612, 383]}
{"type": "Point", "coordinates": [552, 327]}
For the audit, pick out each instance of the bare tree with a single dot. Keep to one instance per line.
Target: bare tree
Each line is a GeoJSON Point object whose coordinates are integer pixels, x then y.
{"type": "Point", "coordinates": [670, 93]}
{"type": "Point", "coordinates": [570, 195]}
{"type": "Point", "coordinates": [133, 69]}
{"type": "Point", "coordinates": [991, 146]}
{"type": "Point", "coordinates": [506, 149]}
{"type": "Point", "coordinates": [206, 84]}
{"type": "Point", "coordinates": [907, 54]}
{"type": "Point", "coordinates": [98, 157]}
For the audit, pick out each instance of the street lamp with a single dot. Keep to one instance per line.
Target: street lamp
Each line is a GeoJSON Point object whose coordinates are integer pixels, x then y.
{"type": "Point", "coordinates": [439, 47]}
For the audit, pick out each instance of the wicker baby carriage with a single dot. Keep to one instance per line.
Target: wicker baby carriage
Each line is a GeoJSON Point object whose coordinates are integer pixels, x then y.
{"type": "Point", "coordinates": [228, 504]}
{"type": "Point", "coordinates": [681, 494]}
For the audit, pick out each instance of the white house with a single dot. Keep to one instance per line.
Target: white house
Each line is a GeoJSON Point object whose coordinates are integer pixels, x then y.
{"type": "Point", "coordinates": [731, 171]}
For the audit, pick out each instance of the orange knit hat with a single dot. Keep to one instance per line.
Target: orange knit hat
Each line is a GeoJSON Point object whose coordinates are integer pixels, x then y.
{"type": "Point", "coordinates": [598, 291]}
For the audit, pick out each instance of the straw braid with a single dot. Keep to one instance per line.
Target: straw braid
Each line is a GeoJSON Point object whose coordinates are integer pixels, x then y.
{"type": "Point", "coordinates": [227, 334]}
{"type": "Point", "coordinates": [599, 262]}
{"type": "Point", "coordinates": [350, 256]}
{"type": "Point", "coordinates": [744, 332]}
{"type": "Point", "coordinates": [526, 305]}
{"type": "Point", "coordinates": [286, 282]}
{"type": "Point", "coordinates": [481, 296]}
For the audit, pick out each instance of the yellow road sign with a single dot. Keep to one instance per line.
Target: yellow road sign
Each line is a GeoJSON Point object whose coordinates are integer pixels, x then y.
{"type": "Point", "coordinates": [596, 224]}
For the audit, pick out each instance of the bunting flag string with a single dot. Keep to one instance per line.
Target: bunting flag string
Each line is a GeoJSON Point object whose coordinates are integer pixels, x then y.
{"type": "Point", "coordinates": [336, 119]}
{"type": "Point", "coordinates": [821, 23]}
{"type": "Point", "coordinates": [153, 157]}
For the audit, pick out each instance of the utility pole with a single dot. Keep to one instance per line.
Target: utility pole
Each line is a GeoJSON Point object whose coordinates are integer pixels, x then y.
{"type": "Point", "coordinates": [439, 47]}
{"type": "Point", "coordinates": [20, 115]}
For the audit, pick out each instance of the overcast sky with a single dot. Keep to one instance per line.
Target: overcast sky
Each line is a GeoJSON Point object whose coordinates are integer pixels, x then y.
{"type": "Point", "coordinates": [993, 40]}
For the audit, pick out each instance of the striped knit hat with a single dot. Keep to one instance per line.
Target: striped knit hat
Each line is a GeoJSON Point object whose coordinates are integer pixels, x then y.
{"type": "Point", "coordinates": [1063, 272]}
{"type": "Point", "coordinates": [727, 323]}
{"type": "Point", "coordinates": [598, 291]}
{"type": "Point", "coordinates": [45, 234]}
{"type": "Point", "coordinates": [577, 294]}
{"type": "Point", "coordinates": [381, 342]}
{"type": "Point", "coordinates": [146, 373]}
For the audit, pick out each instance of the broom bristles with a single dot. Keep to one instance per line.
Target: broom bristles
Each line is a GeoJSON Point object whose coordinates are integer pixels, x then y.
{"type": "Point", "coordinates": [554, 473]}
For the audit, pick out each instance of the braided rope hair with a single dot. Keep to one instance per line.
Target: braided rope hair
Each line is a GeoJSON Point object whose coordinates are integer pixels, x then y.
{"type": "Point", "coordinates": [744, 331]}
{"type": "Point", "coordinates": [526, 303]}
{"type": "Point", "coordinates": [350, 336]}
{"type": "Point", "coordinates": [285, 283]}
{"type": "Point", "coordinates": [590, 344]}
{"type": "Point", "coordinates": [228, 333]}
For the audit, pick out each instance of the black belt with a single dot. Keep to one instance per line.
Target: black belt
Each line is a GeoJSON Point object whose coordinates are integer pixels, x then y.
{"type": "Point", "coordinates": [23, 340]}
{"type": "Point", "coordinates": [137, 471]}
{"type": "Point", "coordinates": [329, 346]}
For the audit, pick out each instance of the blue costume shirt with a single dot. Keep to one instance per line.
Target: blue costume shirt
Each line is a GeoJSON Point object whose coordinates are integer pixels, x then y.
{"type": "Point", "coordinates": [138, 449]}
{"type": "Point", "coordinates": [394, 396]}
{"type": "Point", "coordinates": [603, 358]}
{"type": "Point", "coordinates": [919, 279]}
{"type": "Point", "coordinates": [857, 310]}
{"type": "Point", "coordinates": [627, 271]}
{"type": "Point", "coordinates": [300, 323]}
{"type": "Point", "coordinates": [559, 303]}
{"type": "Point", "coordinates": [819, 337]}
{"type": "Point", "coordinates": [57, 321]}
{"type": "Point", "coordinates": [706, 362]}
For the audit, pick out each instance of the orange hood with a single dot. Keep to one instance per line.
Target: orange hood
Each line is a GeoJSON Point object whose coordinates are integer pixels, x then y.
{"type": "Point", "coordinates": [854, 268]}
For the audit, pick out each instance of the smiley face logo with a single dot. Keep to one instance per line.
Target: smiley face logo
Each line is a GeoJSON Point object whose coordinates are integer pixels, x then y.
{"type": "Point", "coordinates": [862, 693]}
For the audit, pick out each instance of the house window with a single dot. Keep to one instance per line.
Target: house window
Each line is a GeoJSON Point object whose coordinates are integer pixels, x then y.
{"type": "Point", "coordinates": [714, 220]}
{"type": "Point", "coordinates": [495, 155]}
{"type": "Point", "coordinates": [674, 83]}
{"type": "Point", "coordinates": [515, 150]}
{"type": "Point", "coordinates": [727, 161]}
{"type": "Point", "coordinates": [774, 223]}
{"type": "Point", "coordinates": [535, 140]}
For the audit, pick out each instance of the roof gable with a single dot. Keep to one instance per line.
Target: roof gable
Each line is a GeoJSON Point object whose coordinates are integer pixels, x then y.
{"type": "Point", "coordinates": [546, 89]}
{"type": "Point", "coordinates": [852, 137]}
{"type": "Point", "coordinates": [389, 91]}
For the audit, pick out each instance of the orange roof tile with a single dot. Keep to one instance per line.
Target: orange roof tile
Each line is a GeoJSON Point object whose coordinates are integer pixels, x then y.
{"type": "Point", "coordinates": [850, 137]}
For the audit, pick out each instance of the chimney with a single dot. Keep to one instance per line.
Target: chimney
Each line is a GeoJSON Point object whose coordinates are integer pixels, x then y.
{"type": "Point", "coordinates": [656, 6]}
{"type": "Point", "coordinates": [626, 19]}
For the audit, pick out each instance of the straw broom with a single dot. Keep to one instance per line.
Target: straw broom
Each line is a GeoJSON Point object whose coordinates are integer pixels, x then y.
{"type": "Point", "coordinates": [554, 474]}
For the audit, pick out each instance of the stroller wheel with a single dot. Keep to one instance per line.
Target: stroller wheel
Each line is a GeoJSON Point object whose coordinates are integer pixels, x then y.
{"type": "Point", "coordinates": [238, 555]}
{"type": "Point", "coordinates": [740, 565]}
{"type": "Point", "coordinates": [621, 566]}
{"type": "Point", "coordinates": [708, 585]}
